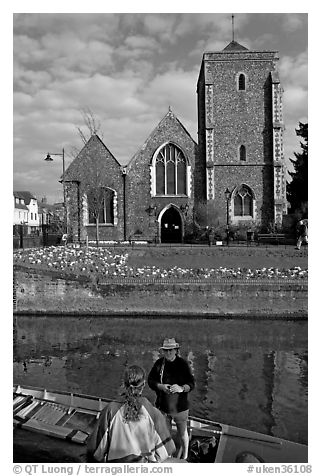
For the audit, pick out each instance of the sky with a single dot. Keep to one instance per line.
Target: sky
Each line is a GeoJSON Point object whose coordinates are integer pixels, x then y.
{"type": "Point", "coordinates": [127, 69]}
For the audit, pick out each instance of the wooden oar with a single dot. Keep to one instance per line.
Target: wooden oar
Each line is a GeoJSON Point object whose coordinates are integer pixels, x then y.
{"type": "Point", "coordinates": [254, 438]}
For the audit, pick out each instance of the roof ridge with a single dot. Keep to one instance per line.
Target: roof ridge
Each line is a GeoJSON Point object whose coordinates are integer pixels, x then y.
{"type": "Point", "coordinates": [234, 46]}
{"type": "Point", "coordinates": [169, 113]}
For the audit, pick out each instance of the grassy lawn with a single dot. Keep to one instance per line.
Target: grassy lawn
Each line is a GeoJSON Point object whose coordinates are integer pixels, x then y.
{"type": "Point", "coordinates": [170, 261]}
{"type": "Point", "coordinates": [215, 257]}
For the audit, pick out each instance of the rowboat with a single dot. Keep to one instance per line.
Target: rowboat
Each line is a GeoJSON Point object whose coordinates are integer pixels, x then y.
{"type": "Point", "coordinates": [53, 426]}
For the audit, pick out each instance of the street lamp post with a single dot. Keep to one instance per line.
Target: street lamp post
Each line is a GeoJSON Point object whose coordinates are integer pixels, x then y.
{"type": "Point", "coordinates": [227, 194]}
{"type": "Point", "coordinates": [50, 159]}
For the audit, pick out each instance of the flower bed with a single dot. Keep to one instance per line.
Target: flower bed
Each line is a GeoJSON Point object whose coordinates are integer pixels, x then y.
{"type": "Point", "coordinates": [106, 264]}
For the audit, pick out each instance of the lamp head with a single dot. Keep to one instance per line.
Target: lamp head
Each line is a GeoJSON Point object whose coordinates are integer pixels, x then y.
{"type": "Point", "coordinates": [48, 158]}
{"type": "Point", "coordinates": [227, 194]}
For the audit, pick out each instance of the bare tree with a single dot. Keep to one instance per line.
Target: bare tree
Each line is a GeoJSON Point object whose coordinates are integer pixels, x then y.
{"type": "Point", "coordinates": [93, 176]}
{"type": "Point", "coordinates": [92, 125]}
{"type": "Point", "coordinates": [99, 198]}
{"type": "Point", "coordinates": [98, 187]}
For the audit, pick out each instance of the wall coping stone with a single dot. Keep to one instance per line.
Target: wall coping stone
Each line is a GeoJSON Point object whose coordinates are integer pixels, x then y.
{"type": "Point", "coordinates": [300, 315]}
{"type": "Point", "coordinates": [140, 280]}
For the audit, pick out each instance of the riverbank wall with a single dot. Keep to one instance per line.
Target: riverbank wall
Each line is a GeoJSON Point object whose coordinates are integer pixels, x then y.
{"type": "Point", "coordinates": [41, 291]}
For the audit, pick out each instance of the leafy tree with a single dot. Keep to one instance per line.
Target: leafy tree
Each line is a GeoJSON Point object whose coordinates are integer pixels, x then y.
{"type": "Point", "coordinates": [206, 219]}
{"type": "Point", "coordinates": [297, 189]}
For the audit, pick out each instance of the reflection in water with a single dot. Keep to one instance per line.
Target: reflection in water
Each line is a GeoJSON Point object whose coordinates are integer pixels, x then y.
{"type": "Point", "coordinates": [249, 374]}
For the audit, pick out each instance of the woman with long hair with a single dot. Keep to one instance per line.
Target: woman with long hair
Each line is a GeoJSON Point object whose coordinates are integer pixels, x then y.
{"type": "Point", "coordinates": [132, 388]}
{"type": "Point", "coordinates": [132, 430]}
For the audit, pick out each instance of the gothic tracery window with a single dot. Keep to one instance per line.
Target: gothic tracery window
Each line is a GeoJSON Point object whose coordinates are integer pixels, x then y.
{"type": "Point", "coordinates": [243, 202]}
{"type": "Point", "coordinates": [171, 170]}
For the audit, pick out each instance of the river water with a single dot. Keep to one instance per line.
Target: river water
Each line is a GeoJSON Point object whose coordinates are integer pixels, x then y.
{"type": "Point", "coordinates": [252, 374]}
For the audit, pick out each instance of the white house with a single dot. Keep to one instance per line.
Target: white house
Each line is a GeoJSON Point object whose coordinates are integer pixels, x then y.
{"type": "Point", "coordinates": [26, 211]}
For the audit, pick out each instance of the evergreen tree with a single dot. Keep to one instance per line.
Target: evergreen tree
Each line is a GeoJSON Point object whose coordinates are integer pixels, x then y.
{"type": "Point", "coordinates": [297, 189]}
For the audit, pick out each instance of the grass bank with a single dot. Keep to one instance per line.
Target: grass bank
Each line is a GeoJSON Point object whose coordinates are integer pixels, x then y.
{"type": "Point", "coordinates": [194, 281]}
{"type": "Point", "coordinates": [254, 257]}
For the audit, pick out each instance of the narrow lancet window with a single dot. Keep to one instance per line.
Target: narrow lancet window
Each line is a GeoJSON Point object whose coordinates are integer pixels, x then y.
{"type": "Point", "coordinates": [241, 82]}
{"type": "Point", "coordinates": [242, 153]}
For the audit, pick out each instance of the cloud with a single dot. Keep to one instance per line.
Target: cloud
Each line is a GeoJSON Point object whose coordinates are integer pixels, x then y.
{"type": "Point", "coordinates": [294, 21]}
{"type": "Point", "coordinates": [128, 69]}
{"type": "Point", "coordinates": [85, 26]}
{"type": "Point", "coordinates": [61, 56]}
{"type": "Point", "coordinates": [218, 25]}
{"type": "Point", "coordinates": [295, 102]}
{"type": "Point", "coordinates": [213, 45]}
{"type": "Point", "coordinates": [137, 48]}
{"type": "Point", "coordinates": [141, 42]}
{"type": "Point", "coordinates": [162, 26]}
{"type": "Point", "coordinates": [30, 81]}
{"type": "Point", "coordinates": [175, 88]}
{"type": "Point", "coordinates": [294, 80]}
{"type": "Point", "coordinates": [295, 69]}
{"type": "Point", "coordinates": [260, 42]}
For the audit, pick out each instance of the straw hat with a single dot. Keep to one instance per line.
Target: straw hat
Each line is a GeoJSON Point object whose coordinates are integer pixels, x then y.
{"type": "Point", "coordinates": [170, 344]}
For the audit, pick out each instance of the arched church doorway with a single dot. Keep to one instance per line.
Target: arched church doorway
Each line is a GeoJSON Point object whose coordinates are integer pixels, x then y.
{"type": "Point", "coordinates": [171, 226]}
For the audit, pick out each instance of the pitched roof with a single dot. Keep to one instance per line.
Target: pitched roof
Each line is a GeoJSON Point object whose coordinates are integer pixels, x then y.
{"type": "Point", "coordinates": [26, 196]}
{"type": "Point", "coordinates": [170, 112]}
{"type": "Point", "coordinates": [71, 172]}
{"type": "Point", "coordinates": [234, 46]}
{"type": "Point", "coordinates": [170, 115]}
{"type": "Point", "coordinates": [21, 206]}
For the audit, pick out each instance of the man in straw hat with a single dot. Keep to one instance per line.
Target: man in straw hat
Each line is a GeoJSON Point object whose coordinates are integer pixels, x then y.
{"type": "Point", "coordinates": [171, 378]}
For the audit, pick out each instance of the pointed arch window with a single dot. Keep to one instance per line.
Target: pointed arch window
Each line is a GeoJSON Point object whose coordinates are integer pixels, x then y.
{"type": "Point", "coordinates": [171, 171]}
{"type": "Point", "coordinates": [243, 202]}
{"type": "Point", "coordinates": [100, 204]}
{"type": "Point", "coordinates": [241, 82]}
{"type": "Point", "coordinates": [242, 153]}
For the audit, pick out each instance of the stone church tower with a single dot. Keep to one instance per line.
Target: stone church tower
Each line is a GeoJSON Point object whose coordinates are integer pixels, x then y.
{"type": "Point", "coordinates": [240, 132]}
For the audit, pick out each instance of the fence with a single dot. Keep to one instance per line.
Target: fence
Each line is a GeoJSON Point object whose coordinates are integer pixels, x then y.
{"type": "Point", "coordinates": [35, 241]}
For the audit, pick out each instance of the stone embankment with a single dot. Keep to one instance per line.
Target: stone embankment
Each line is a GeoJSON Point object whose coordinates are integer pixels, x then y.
{"type": "Point", "coordinates": [48, 292]}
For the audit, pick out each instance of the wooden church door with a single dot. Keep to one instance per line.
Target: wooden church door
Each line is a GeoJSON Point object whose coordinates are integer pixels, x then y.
{"type": "Point", "coordinates": [171, 226]}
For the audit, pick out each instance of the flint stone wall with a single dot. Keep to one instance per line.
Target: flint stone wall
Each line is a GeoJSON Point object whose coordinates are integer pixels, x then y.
{"type": "Point", "coordinates": [47, 292]}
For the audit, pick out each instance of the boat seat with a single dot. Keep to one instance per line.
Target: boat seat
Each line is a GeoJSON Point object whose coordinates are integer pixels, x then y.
{"type": "Point", "coordinates": [203, 445]}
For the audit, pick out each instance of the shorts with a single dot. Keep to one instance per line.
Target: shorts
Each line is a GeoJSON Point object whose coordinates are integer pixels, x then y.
{"type": "Point", "coordinates": [180, 419]}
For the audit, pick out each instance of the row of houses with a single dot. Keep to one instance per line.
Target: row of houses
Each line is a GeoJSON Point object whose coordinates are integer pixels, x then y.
{"type": "Point", "coordinates": [32, 215]}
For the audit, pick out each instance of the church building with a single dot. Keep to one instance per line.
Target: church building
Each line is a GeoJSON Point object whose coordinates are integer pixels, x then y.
{"type": "Point", "coordinates": [234, 177]}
